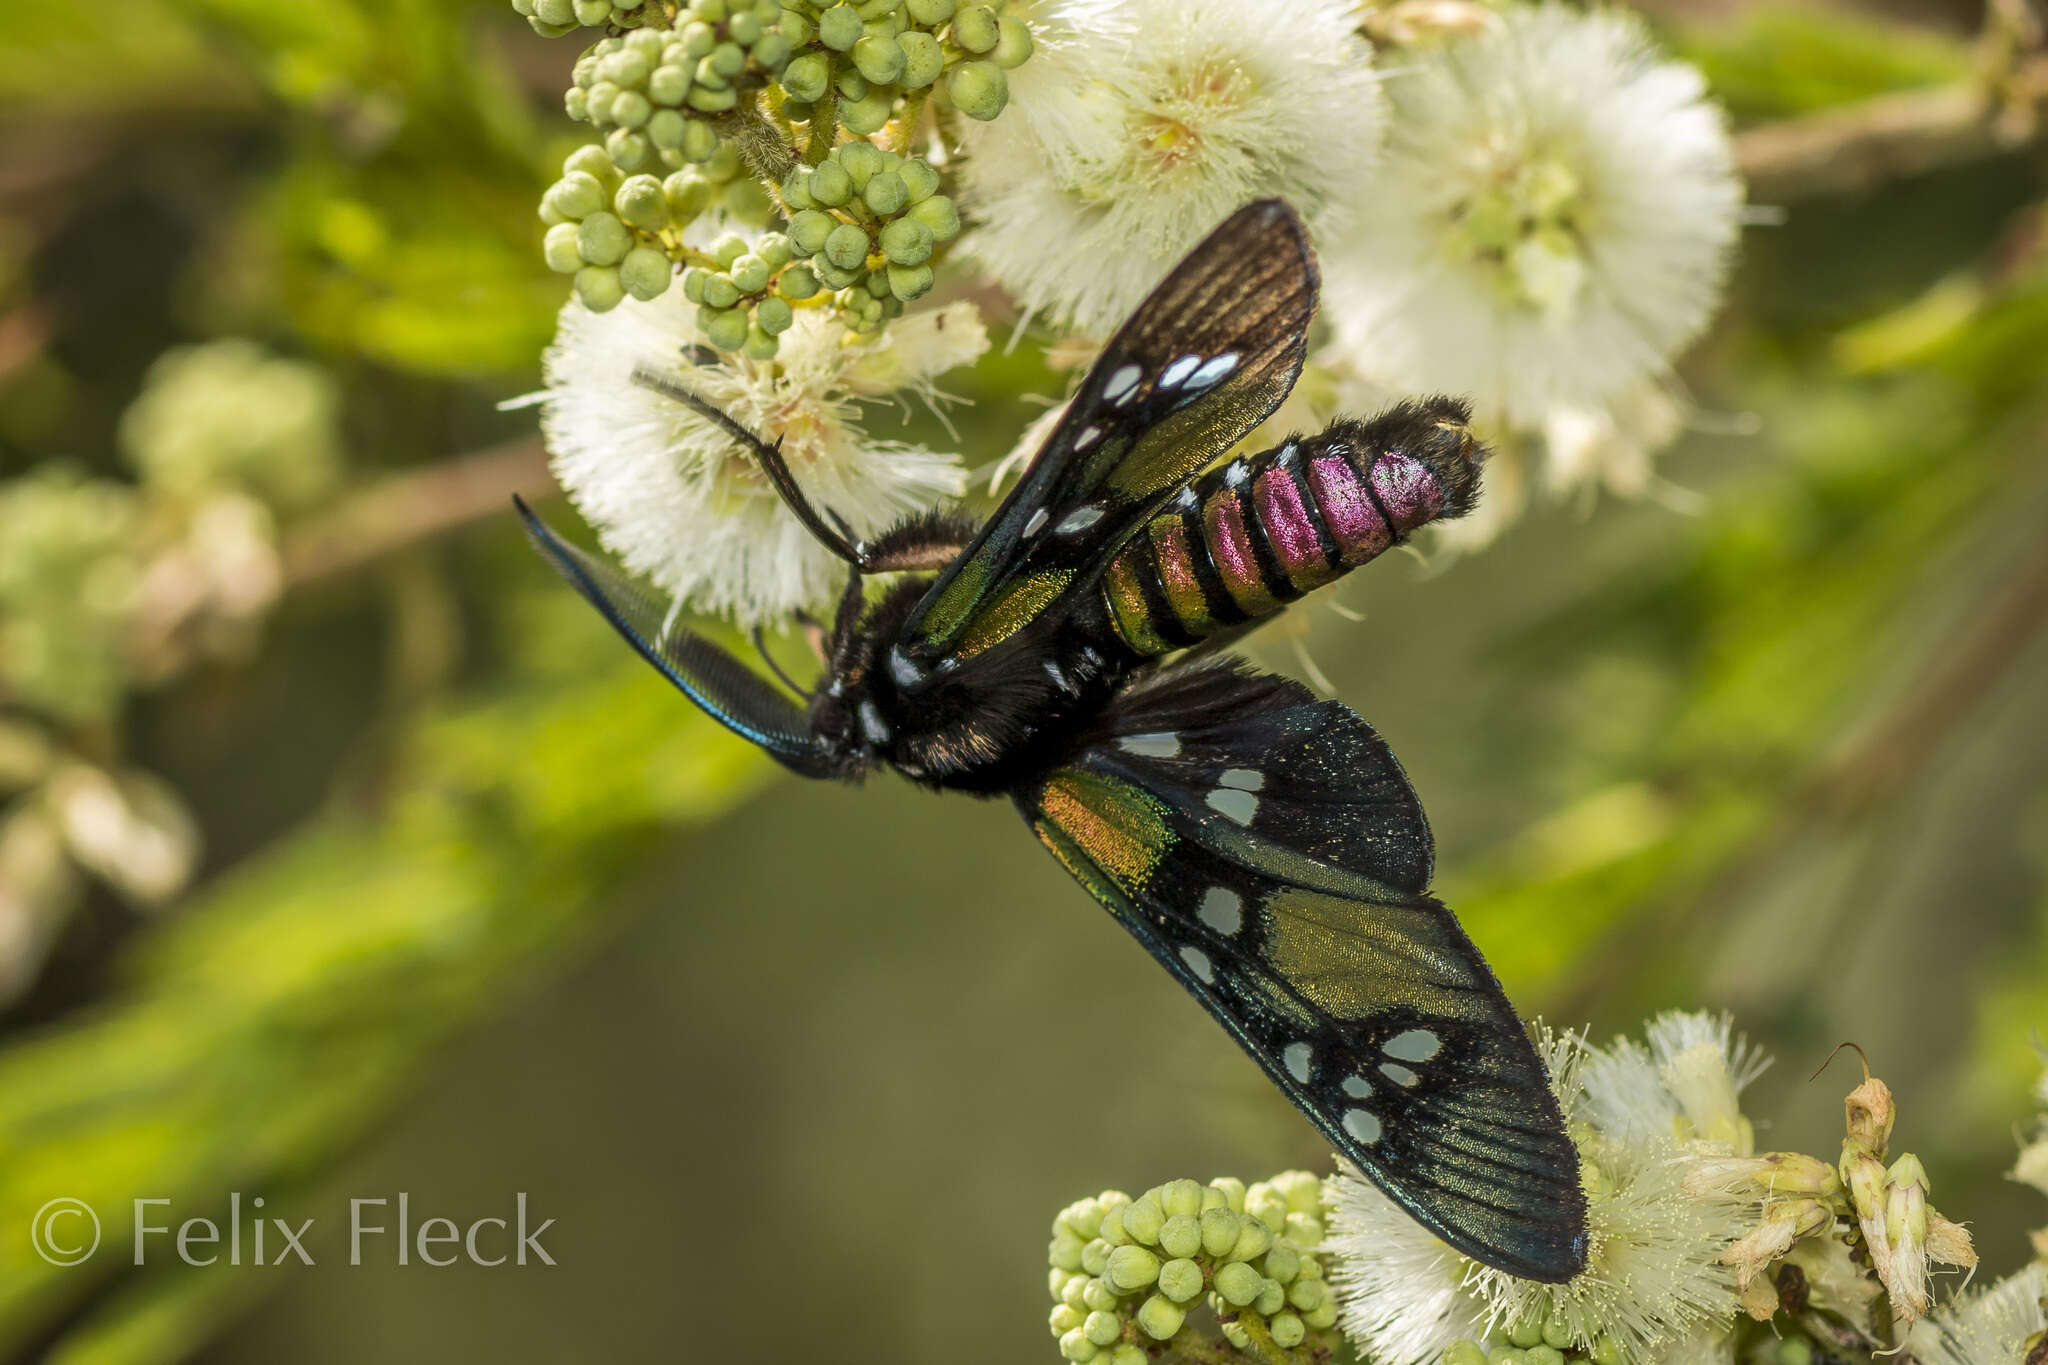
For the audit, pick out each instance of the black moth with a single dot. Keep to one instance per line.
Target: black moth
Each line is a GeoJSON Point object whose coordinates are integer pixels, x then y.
{"type": "Point", "coordinates": [1264, 846]}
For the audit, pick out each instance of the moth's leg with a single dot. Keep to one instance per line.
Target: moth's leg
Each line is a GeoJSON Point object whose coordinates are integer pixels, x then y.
{"type": "Point", "coordinates": [929, 542]}
{"type": "Point", "coordinates": [814, 632]}
{"type": "Point", "coordinates": [761, 648]}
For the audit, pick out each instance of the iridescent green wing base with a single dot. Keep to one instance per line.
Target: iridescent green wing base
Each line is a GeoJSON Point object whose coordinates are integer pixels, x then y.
{"type": "Point", "coordinates": [1268, 850]}
{"type": "Point", "coordinates": [1206, 358]}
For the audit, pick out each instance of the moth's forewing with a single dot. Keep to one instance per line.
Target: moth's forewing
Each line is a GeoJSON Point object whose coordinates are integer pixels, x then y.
{"type": "Point", "coordinates": [1267, 849]}
{"type": "Point", "coordinates": [1206, 358]}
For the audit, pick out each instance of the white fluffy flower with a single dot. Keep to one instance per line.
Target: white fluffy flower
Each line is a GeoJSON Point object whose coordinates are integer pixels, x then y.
{"type": "Point", "coordinates": [1551, 222]}
{"type": "Point", "coordinates": [682, 504]}
{"type": "Point", "coordinates": [1985, 1328]}
{"type": "Point", "coordinates": [1653, 1287]}
{"type": "Point", "coordinates": [1140, 124]}
{"type": "Point", "coordinates": [1685, 1085]}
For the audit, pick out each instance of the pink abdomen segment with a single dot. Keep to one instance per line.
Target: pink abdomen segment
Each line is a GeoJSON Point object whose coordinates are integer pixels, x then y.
{"type": "Point", "coordinates": [1244, 540]}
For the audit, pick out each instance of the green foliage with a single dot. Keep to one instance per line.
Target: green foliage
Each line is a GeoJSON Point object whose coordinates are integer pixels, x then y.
{"type": "Point", "coordinates": [1782, 59]}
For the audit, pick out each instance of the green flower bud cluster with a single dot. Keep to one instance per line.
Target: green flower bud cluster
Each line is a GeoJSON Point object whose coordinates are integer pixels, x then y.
{"type": "Point", "coordinates": [621, 234]}
{"type": "Point", "coordinates": [866, 222]}
{"type": "Point", "coordinates": [746, 303]}
{"type": "Point", "coordinates": [1126, 1271]}
{"type": "Point", "coordinates": [653, 92]}
{"type": "Point", "coordinates": [69, 579]}
{"type": "Point", "coordinates": [553, 18]}
{"type": "Point", "coordinates": [1534, 1341]}
{"type": "Point", "coordinates": [873, 54]}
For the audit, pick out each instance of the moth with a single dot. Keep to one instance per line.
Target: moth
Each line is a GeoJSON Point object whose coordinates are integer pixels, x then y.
{"type": "Point", "coordinates": [1263, 845]}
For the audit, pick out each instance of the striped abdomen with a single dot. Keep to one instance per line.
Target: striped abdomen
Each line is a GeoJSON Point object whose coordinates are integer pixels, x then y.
{"type": "Point", "coordinates": [1244, 540]}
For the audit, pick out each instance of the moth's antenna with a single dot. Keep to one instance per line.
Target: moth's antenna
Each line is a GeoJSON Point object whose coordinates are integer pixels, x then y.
{"type": "Point", "coordinates": [833, 537]}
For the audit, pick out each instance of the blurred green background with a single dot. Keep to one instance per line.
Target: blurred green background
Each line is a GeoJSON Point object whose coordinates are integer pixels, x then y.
{"type": "Point", "coordinates": [480, 907]}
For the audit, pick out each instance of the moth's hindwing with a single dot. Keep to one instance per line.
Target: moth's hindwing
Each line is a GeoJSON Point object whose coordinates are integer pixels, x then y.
{"type": "Point", "coordinates": [732, 693]}
{"type": "Point", "coordinates": [1206, 358]}
{"type": "Point", "coordinates": [1268, 850]}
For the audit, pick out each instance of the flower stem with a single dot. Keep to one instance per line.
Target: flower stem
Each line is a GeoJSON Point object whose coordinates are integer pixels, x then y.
{"type": "Point", "coordinates": [1263, 1345]}
{"type": "Point", "coordinates": [824, 119]}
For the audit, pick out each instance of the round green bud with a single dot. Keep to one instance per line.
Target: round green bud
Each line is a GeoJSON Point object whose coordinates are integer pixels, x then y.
{"type": "Point", "coordinates": [668, 85]}
{"type": "Point", "coordinates": [809, 229]}
{"type": "Point", "coordinates": [830, 184]}
{"type": "Point", "coordinates": [721, 292]}
{"type": "Point", "coordinates": [773, 248]}
{"type": "Point", "coordinates": [693, 290]}
{"type": "Point", "coordinates": [1160, 1317]}
{"type": "Point", "coordinates": [599, 288]}
{"type": "Point", "coordinates": [705, 100]}
{"type": "Point", "coordinates": [710, 11]}
{"type": "Point", "coordinates": [879, 59]}
{"type": "Point", "coordinates": [877, 282]}
{"type": "Point", "coordinates": [1181, 1235]}
{"type": "Point", "coordinates": [1303, 1230]}
{"type": "Point", "coordinates": [1323, 1315]}
{"type": "Point", "coordinates": [772, 51]}
{"type": "Point", "coordinates": [727, 330]}
{"type": "Point", "coordinates": [868, 113]}
{"type": "Point", "coordinates": [860, 161]}
{"type": "Point", "coordinates": [1504, 1355]}
{"type": "Point", "coordinates": [1131, 1268]}
{"type": "Point", "coordinates": [641, 203]}
{"type": "Point", "coordinates": [1143, 1219]}
{"type": "Point", "coordinates": [1525, 1334]}
{"type": "Point", "coordinates": [1288, 1330]}
{"type": "Point", "coordinates": [547, 30]}
{"type": "Point", "coordinates": [1272, 1298]}
{"type": "Point", "coordinates": [1219, 1225]}
{"type": "Point", "coordinates": [561, 249]}
{"type": "Point", "coordinates": [1102, 1328]}
{"type": "Point", "coordinates": [744, 29]}
{"type": "Point", "coordinates": [1212, 1198]}
{"type": "Point", "coordinates": [576, 103]}
{"type": "Point", "coordinates": [667, 129]}
{"type": "Point", "coordinates": [924, 61]}
{"type": "Point", "coordinates": [625, 68]}
{"type": "Point", "coordinates": [831, 275]}
{"type": "Point", "coordinates": [1544, 1355]}
{"type": "Point", "coordinates": [850, 84]}
{"type": "Point", "coordinates": [728, 59]}
{"type": "Point", "coordinates": [750, 273]}
{"type": "Point", "coordinates": [871, 10]}
{"type": "Point", "coordinates": [1178, 1197]}
{"type": "Point", "coordinates": [1076, 1347]}
{"type": "Point", "coordinates": [1098, 1293]}
{"type": "Point", "coordinates": [1238, 1283]}
{"type": "Point", "coordinates": [1305, 1294]}
{"type": "Point", "coordinates": [598, 101]}
{"type": "Point", "coordinates": [1283, 1262]}
{"type": "Point", "coordinates": [1113, 1224]}
{"type": "Point", "coordinates": [648, 42]}
{"type": "Point", "coordinates": [760, 345]}
{"type": "Point", "coordinates": [591, 160]}
{"type": "Point", "coordinates": [723, 164]}
{"type": "Point", "coordinates": [797, 28]}
{"type": "Point", "coordinates": [1230, 1186]}
{"type": "Point", "coordinates": [727, 249]}
{"type": "Point", "coordinates": [939, 215]}
{"type": "Point", "coordinates": [1234, 1333]}
{"type": "Point", "coordinates": [1013, 44]}
{"type": "Point", "coordinates": [846, 246]}
{"type": "Point", "coordinates": [839, 27]}
{"type": "Point", "coordinates": [975, 29]}
{"type": "Point", "coordinates": [688, 195]}
{"type": "Point", "coordinates": [555, 11]}
{"type": "Point", "coordinates": [629, 150]}
{"type": "Point", "coordinates": [1253, 1241]}
{"type": "Point", "coordinates": [806, 76]}
{"type": "Point", "coordinates": [797, 282]}
{"type": "Point", "coordinates": [1095, 1252]}
{"type": "Point", "coordinates": [930, 13]}
{"type": "Point", "coordinates": [603, 239]}
{"type": "Point", "coordinates": [1180, 1279]}
{"type": "Point", "coordinates": [1556, 1331]}
{"type": "Point", "coordinates": [698, 38]}
{"type": "Point", "coordinates": [646, 273]}
{"type": "Point", "coordinates": [1063, 1319]}
{"type": "Point", "coordinates": [700, 141]}
{"type": "Point", "coordinates": [1464, 1352]}
{"type": "Point", "coordinates": [979, 89]}
{"type": "Point", "coordinates": [1072, 1292]}
{"type": "Point", "coordinates": [886, 194]}
{"type": "Point", "coordinates": [908, 242]}
{"type": "Point", "coordinates": [920, 180]}
{"type": "Point", "coordinates": [576, 195]}
{"type": "Point", "coordinates": [1128, 1354]}
{"type": "Point", "coordinates": [631, 109]}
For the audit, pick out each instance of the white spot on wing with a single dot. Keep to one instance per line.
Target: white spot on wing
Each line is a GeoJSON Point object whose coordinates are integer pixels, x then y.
{"type": "Point", "coordinates": [1198, 963]}
{"type": "Point", "coordinates": [1416, 1045]}
{"type": "Point", "coordinates": [1036, 524]}
{"type": "Point", "coordinates": [1296, 1057]}
{"type": "Point", "coordinates": [1123, 382]}
{"type": "Point", "coordinates": [1362, 1124]}
{"type": "Point", "coordinates": [1221, 910]}
{"type": "Point", "coordinates": [1159, 744]}
{"type": "Point", "coordinates": [1080, 519]}
{"type": "Point", "coordinates": [901, 669]}
{"type": "Point", "coordinates": [1180, 369]}
{"type": "Point", "coordinates": [1357, 1087]}
{"type": "Point", "coordinates": [1240, 806]}
{"type": "Point", "coordinates": [1398, 1074]}
{"type": "Point", "coordinates": [1213, 371]}
{"type": "Point", "coordinates": [1244, 779]}
{"type": "Point", "coordinates": [1088, 437]}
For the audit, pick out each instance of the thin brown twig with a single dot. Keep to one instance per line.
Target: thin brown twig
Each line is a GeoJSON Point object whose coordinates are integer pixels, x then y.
{"type": "Point", "coordinates": [406, 509]}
